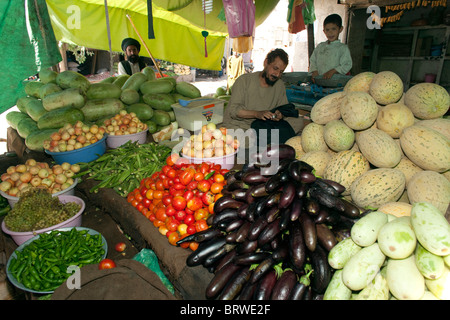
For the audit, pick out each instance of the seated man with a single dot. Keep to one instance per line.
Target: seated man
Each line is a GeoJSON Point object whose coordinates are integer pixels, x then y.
{"type": "Point", "coordinates": [259, 101]}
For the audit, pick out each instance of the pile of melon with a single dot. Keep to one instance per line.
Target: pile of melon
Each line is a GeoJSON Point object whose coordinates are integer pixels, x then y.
{"type": "Point", "coordinates": [388, 146]}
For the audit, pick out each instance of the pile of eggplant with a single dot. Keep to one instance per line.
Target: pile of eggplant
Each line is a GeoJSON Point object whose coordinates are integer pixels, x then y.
{"type": "Point", "coordinates": [270, 234]}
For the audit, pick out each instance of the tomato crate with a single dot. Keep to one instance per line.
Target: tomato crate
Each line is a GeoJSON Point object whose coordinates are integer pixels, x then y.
{"type": "Point", "coordinates": [308, 94]}
{"type": "Point", "coordinates": [198, 112]}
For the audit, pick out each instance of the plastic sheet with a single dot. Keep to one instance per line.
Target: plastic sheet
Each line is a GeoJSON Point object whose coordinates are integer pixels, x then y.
{"type": "Point", "coordinates": [240, 15]}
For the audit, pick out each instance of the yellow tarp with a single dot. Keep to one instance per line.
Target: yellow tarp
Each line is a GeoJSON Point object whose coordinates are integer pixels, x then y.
{"type": "Point", "coordinates": [178, 33]}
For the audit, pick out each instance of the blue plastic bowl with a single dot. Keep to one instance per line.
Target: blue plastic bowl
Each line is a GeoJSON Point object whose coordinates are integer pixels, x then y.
{"type": "Point", "coordinates": [85, 154]}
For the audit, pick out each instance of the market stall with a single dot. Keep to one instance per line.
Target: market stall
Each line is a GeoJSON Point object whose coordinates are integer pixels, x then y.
{"type": "Point", "coordinates": [353, 207]}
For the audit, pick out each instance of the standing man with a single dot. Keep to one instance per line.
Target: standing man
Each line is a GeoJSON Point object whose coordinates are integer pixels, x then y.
{"type": "Point", "coordinates": [133, 62]}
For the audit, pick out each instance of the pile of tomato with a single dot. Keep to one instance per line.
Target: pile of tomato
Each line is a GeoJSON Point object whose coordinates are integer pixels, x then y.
{"type": "Point", "coordinates": [180, 197]}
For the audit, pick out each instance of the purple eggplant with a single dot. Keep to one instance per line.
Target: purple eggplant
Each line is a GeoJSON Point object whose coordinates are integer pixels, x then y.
{"type": "Point", "coordinates": [300, 288]}
{"type": "Point", "coordinates": [204, 249]}
{"type": "Point", "coordinates": [266, 285]}
{"type": "Point", "coordinates": [248, 291]}
{"type": "Point", "coordinates": [220, 280]}
{"type": "Point", "coordinates": [325, 187]}
{"type": "Point", "coordinates": [336, 185]}
{"type": "Point", "coordinates": [226, 214]}
{"type": "Point", "coordinates": [282, 252]}
{"type": "Point", "coordinates": [325, 236]}
{"type": "Point", "coordinates": [321, 275]}
{"type": "Point", "coordinates": [263, 268]}
{"type": "Point", "coordinates": [297, 247]}
{"type": "Point", "coordinates": [226, 202]}
{"type": "Point", "coordinates": [326, 199]}
{"type": "Point", "coordinates": [228, 258]}
{"type": "Point", "coordinates": [235, 285]}
{"type": "Point", "coordinates": [272, 214]}
{"type": "Point", "coordinates": [301, 190]}
{"type": "Point", "coordinates": [274, 183]}
{"type": "Point", "coordinates": [216, 256]}
{"type": "Point", "coordinates": [257, 226]}
{"type": "Point", "coordinates": [254, 177]}
{"type": "Point", "coordinates": [201, 236]}
{"type": "Point", "coordinates": [296, 209]}
{"type": "Point", "coordinates": [287, 195]}
{"type": "Point", "coordinates": [239, 194]}
{"type": "Point", "coordinates": [284, 285]}
{"type": "Point", "coordinates": [242, 211]}
{"type": "Point", "coordinates": [251, 257]}
{"type": "Point", "coordinates": [281, 167]}
{"type": "Point", "coordinates": [247, 246]}
{"type": "Point", "coordinates": [350, 210]}
{"type": "Point", "coordinates": [234, 224]}
{"type": "Point", "coordinates": [312, 206]}
{"type": "Point", "coordinates": [269, 233]}
{"type": "Point", "coordinates": [309, 230]}
{"type": "Point", "coordinates": [243, 231]}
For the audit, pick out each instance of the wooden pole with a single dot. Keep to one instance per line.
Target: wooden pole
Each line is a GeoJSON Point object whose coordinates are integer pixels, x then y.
{"type": "Point", "coordinates": [111, 58]}
{"type": "Point", "coordinates": [145, 45]}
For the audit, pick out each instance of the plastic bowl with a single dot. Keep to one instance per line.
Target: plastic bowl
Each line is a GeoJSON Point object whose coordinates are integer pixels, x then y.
{"type": "Point", "coordinates": [75, 221]}
{"type": "Point", "coordinates": [26, 243]}
{"type": "Point", "coordinates": [226, 162]}
{"type": "Point", "coordinates": [70, 191]}
{"type": "Point", "coordinates": [116, 141]}
{"type": "Point", "coordinates": [85, 154]}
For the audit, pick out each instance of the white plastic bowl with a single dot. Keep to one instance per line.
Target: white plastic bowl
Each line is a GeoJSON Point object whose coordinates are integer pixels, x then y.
{"type": "Point", "coordinates": [70, 191]}
{"type": "Point", "coordinates": [116, 141]}
{"type": "Point", "coordinates": [74, 221]}
{"type": "Point", "coordinates": [226, 161]}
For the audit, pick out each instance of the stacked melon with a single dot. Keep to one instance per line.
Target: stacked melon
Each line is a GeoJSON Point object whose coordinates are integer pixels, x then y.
{"type": "Point", "coordinates": [64, 98]}
{"type": "Point", "coordinates": [386, 146]}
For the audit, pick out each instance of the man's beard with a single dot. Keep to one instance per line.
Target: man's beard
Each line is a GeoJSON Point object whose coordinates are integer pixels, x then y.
{"type": "Point", "coordinates": [133, 58]}
{"type": "Point", "coordinates": [268, 80]}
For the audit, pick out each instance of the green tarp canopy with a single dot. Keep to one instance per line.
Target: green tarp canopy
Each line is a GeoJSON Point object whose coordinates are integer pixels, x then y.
{"type": "Point", "coordinates": [30, 36]}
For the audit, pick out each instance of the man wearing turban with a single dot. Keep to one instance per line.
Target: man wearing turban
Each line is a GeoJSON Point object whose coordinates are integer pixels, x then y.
{"type": "Point", "coordinates": [133, 62]}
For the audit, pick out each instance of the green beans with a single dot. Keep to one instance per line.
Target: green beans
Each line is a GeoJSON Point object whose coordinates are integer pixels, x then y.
{"type": "Point", "coordinates": [123, 168]}
{"type": "Point", "coordinates": [42, 264]}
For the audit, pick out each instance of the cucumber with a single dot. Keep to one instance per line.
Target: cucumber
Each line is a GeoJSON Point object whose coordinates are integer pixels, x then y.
{"type": "Point", "coordinates": [342, 252]}
{"type": "Point", "coordinates": [72, 79]}
{"type": "Point", "coordinates": [48, 88]}
{"type": "Point", "coordinates": [142, 110]}
{"type": "Point", "coordinates": [22, 102]}
{"type": "Point", "coordinates": [59, 117]}
{"type": "Point", "coordinates": [35, 109]}
{"type": "Point", "coordinates": [120, 80]}
{"type": "Point", "coordinates": [26, 126]}
{"type": "Point", "coordinates": [32, 88]}
{"type": "Point", "coordinates": [48, 76]}
{"type": "Point", "coordinates": [66, 98]}
{"type": "Point", "coordinates": [365, 231]}
{"type": "Point", "coordinates": [362, 267]}
{"type": "Point", "coordinates": [156, 86]}
{"type": "Point", "coordinates": [430, 265]}
{"type": "Point", "coordinates": [14, 117]}
{"type": "Point", "coordinates": [161, 118]}
{"type": "Point", "coordinates": [149, 72]}
{"type": "Point", "coordinates": [188, 89]}
{"type": "Point", "coordinates": [102, 90]}
{"type": "Point", "coordinates": [336, 289]}
{"type": "Point", "coordinates": [152, 126]}
{"type": "Point", "coordinates": [404, 279]}
{"type": "Point", "coordinates": [377, 289]}
{"type": "Point", "coordinates": [134, 81]}
{"type": "Point", "coordinates": [159, 101]}
{"type": "Point", "coordinates": [397, 239]}
{"type": "Point", "coordinates": [431, 227]}
{"type": "Point", "coordinates": [99, 108]}
{"type": "Point", "coordinates": [129, 96]}
{"type": "Point", "coordinates": [35, 140]}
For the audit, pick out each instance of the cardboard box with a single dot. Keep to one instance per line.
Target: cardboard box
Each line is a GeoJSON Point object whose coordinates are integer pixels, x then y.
{"type": "Point", "coordinates": [198, 113]}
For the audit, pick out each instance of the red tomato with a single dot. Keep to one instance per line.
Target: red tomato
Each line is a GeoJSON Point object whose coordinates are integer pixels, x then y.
{"type": "Point", "coordinates": [106, 264]}
{"type": "Point", "coordinates": [204, 168]}
{"type": "Point", "coordinates": [178, 186]}
{"type": "Point", "coordinates": [188, 195]}
{"type": "Point", "coordinates": [201, 213]}
{"type": "Point", "coordinates": [172, 224]}
{"type": "Point", "coordinates": [204, 185]}
{"type": "Point", "coordinates": [120, 246]}
{"type": "Point", "coordinates": [189, 219]}
{"type": "Point", "coordinates": [199, 176]}
{"type": "Point", "coordinates": [172, 159]}
{"type": "Point", "coordinates": [186, 176]}
{"type": "Point", "coordinates": [194, 204]}
{"type": "Point", "coordinates": [191, 229]}
{"type": "Point", "coordinates": [167, 199]}
{"type": "Point", "coordinates": [160, 214]}
{"type": "Point", "coordinates": [180, 215]}
{"type": "Point", "coordinates": [208, 198]}
{"type": "Point", "coordinates": [170, 210]}
{"type": "Point", "coordinates": [173, 238]}
{"type": "Point", "coordinates": [192, 185]}
{"type": "Point", "coordinates": [201, 225]}
{"type": "Point", "coordinates": [217, 187]}
{"type": "Point", "coordinates": [146, 202]}
{"type": "Point", "coordinates": [217, 177]}
{"type": "Point", "coordinates": [171, 173]}
{"type": "Point", "coordinates": [179, 203]}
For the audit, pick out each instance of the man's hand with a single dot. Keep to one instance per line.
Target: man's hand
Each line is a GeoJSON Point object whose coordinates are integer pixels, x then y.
{"type": "Point", "coordinates": [267, 115]}
{"type": "Point", "coordinates": [329, 74]}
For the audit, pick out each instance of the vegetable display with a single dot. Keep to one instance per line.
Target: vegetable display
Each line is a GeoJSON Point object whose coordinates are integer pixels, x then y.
{"type": "Point", "coordinates": [403, 133]}
{"type": "Point", "coordinates": [42, 264]}
{"type": "Point", "coordinates": [32, 173]}
{"type": "Point", "coordinates": [388, 257]}
{"type": "Point", "coordinates": [270, 235]}
{"type": "Point", "coordinates": [122, 169]}
{"type": "Point", "coordinates": [38, 209]}
{"type": "Point", "coordinates": [179, 199]}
